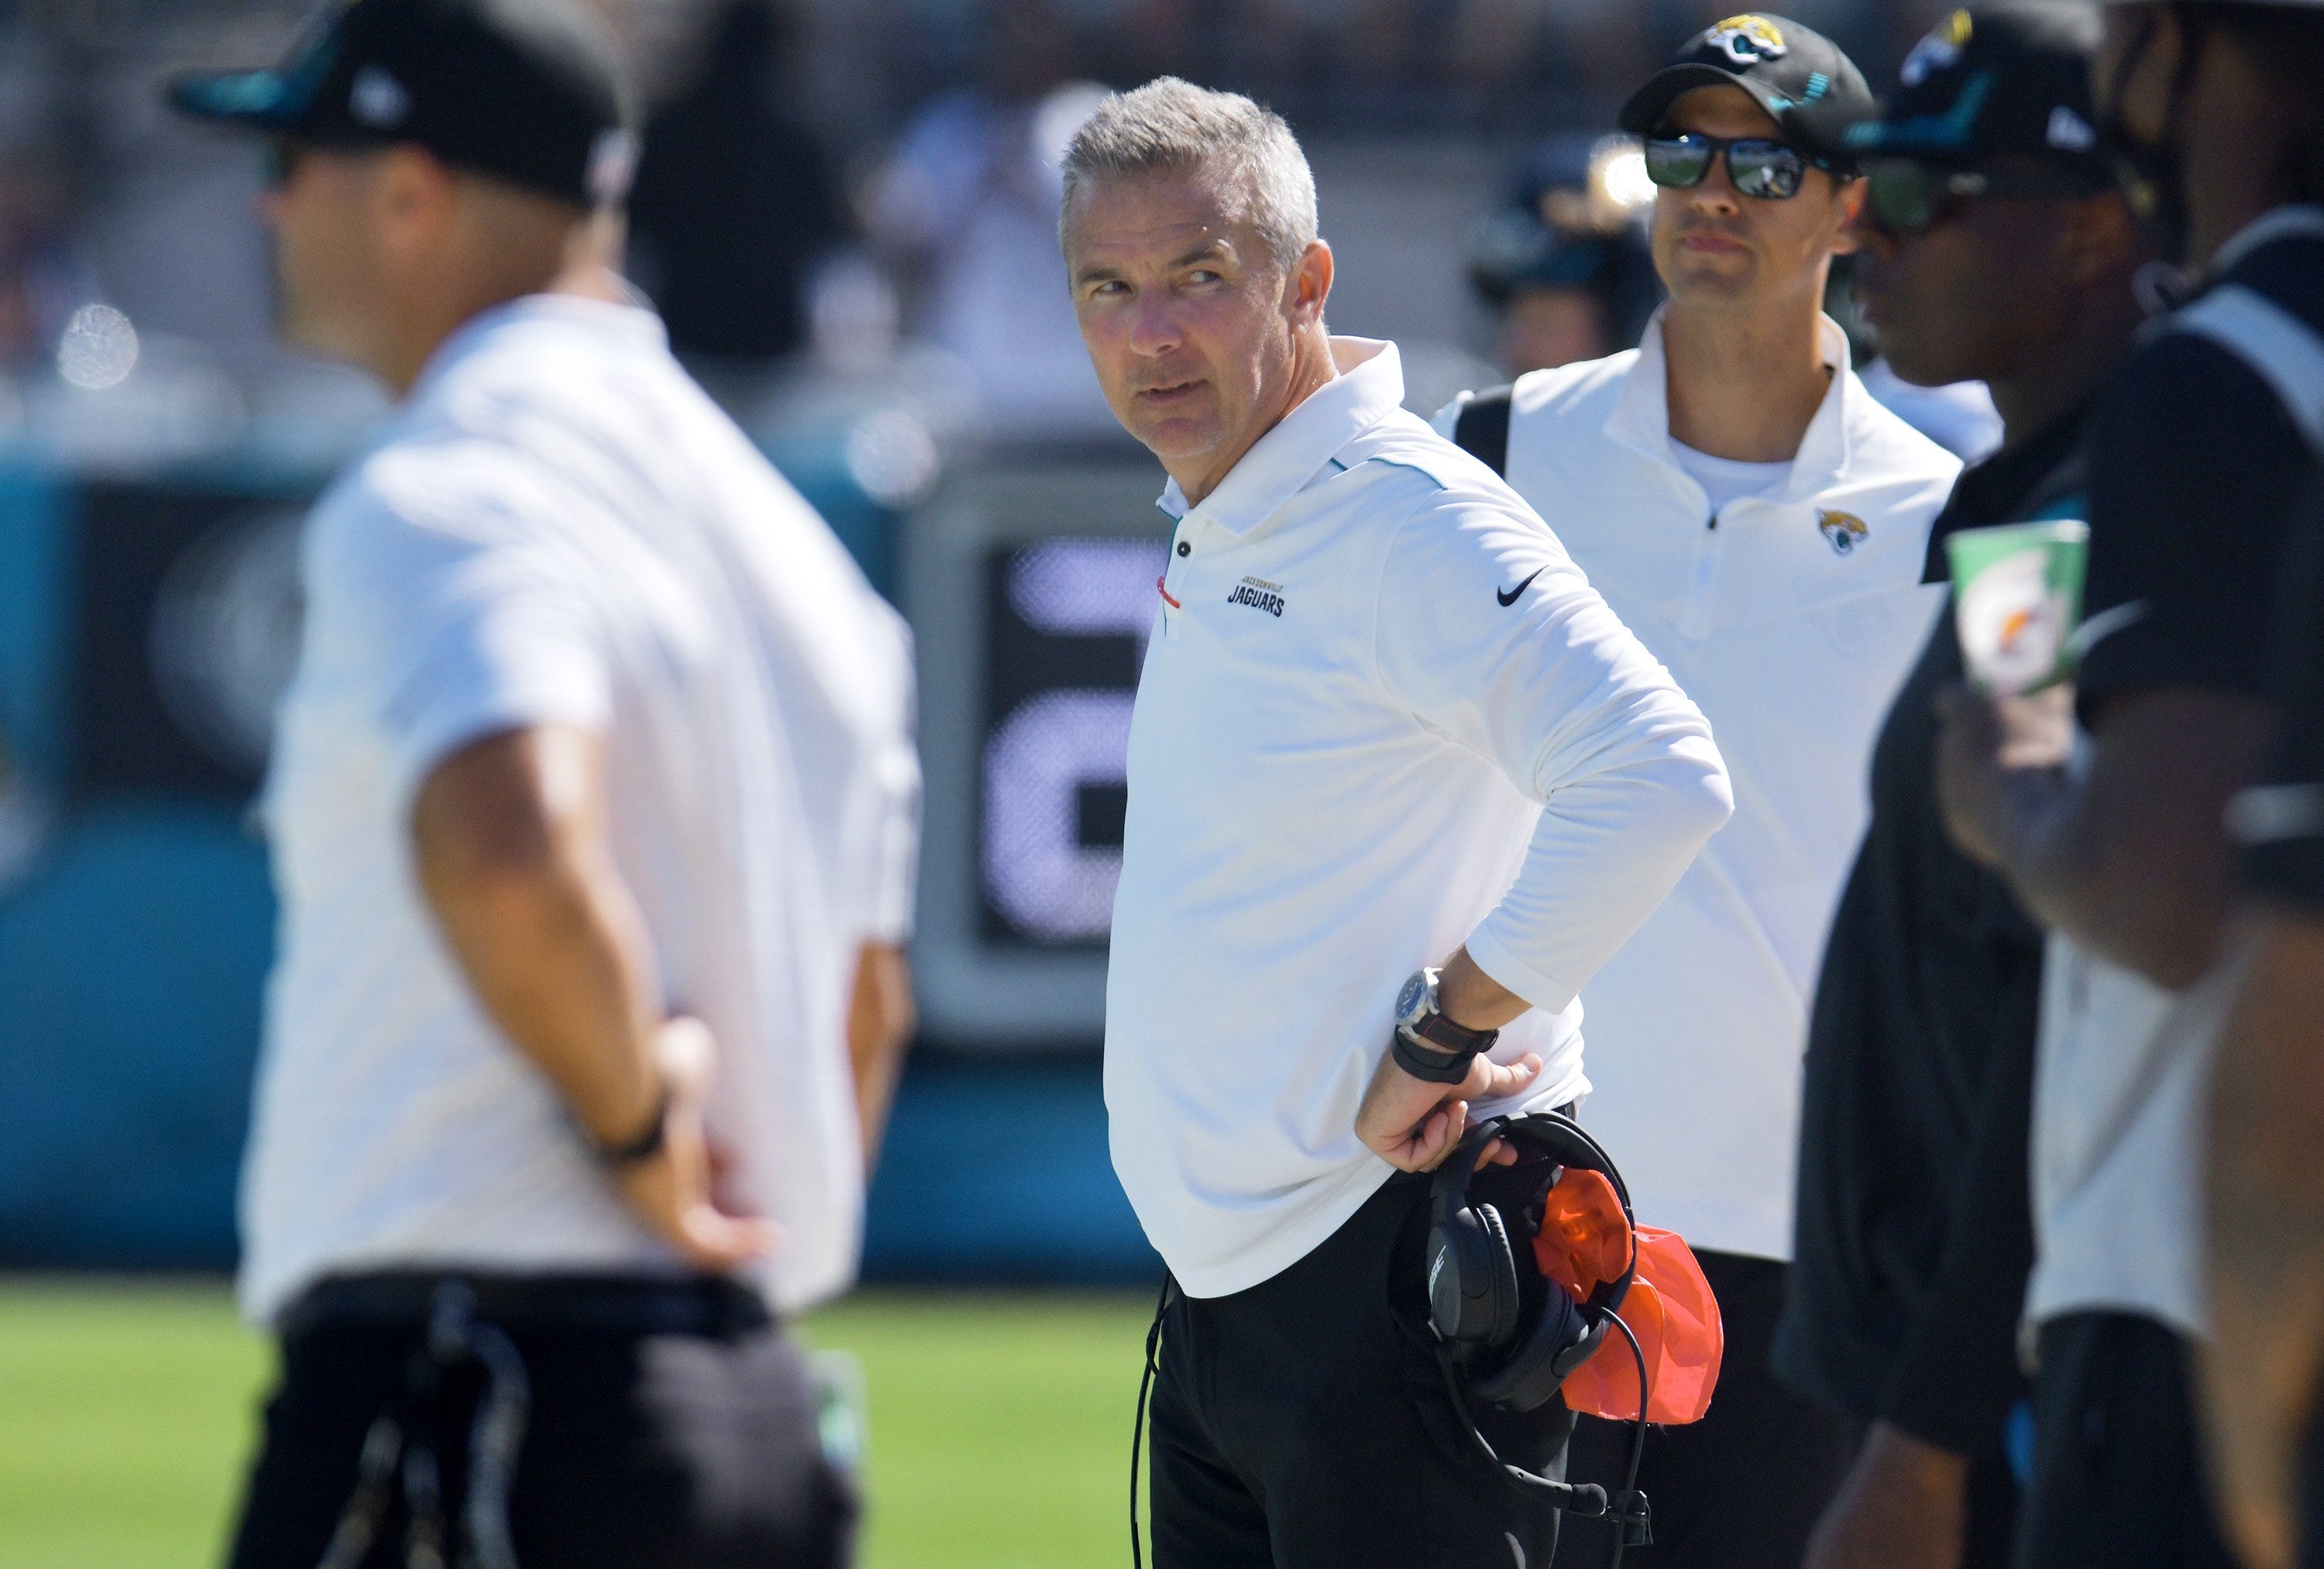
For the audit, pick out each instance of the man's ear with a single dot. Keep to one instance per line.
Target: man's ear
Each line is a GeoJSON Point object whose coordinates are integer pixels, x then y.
{"type": "Point", "coordinates": [2103, 240]}
{"type": "Point", "coordinates": [1850, 238]}
{"type": "Point", "coordinates": [1311, 283]}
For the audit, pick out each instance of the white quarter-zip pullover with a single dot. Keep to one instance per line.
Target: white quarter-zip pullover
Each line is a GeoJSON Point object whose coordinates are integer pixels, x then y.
{"type": "Point", "coordinates": [1381, 715]}
{"type": "Point", "coordinates": [1790, 617]}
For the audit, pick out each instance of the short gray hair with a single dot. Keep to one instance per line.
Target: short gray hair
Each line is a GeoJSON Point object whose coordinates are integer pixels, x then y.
{"type": "Point", "coordinates": [1169, 126]}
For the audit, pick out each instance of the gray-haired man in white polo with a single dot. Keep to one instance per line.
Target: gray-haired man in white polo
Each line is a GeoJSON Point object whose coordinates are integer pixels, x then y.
{"type": "Point", "coordinates": [1383, 724]}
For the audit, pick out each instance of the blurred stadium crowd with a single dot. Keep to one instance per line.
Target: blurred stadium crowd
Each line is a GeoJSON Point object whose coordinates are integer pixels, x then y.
{"type": "Point", "coordinates": [846, 215]}
{"type": "Point", "coordinates": [823, 176]}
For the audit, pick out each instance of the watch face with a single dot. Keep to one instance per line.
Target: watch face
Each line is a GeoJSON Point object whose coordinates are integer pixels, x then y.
{"type": "Point", "coordinates": [1413, 999]}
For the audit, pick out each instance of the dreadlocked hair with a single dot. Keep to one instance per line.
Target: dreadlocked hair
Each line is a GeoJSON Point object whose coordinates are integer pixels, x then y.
{"type": "Point", "coordinates": [2285, 45]}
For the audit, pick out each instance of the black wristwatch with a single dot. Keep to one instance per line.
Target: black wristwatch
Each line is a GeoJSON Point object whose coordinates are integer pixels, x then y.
{"type": "Point", "coordinates": [641, 1146]}
{"type": "Point", "coordinates": [1428, 1045]}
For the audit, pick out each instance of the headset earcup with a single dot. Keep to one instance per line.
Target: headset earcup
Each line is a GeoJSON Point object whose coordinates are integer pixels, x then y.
{"type": "Point", "coordinates": [1472, 1284]}
{"type": "Point", "coordinates": [1537, 1369]}
{"type": "Point", "coordinates": [1502, 1265]}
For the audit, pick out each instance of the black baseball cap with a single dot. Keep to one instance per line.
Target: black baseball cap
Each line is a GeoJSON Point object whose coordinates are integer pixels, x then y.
{"type": "Point", "coordinates": [529, 91]}
{"type": "Point", "coordinates": [1799, 77]}
{"type": "Point", "coordinates": [1992, 81]}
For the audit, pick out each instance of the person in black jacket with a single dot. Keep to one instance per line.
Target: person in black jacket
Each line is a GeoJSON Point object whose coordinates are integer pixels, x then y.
{"type": "Point", "coordinates": [1997, 249]}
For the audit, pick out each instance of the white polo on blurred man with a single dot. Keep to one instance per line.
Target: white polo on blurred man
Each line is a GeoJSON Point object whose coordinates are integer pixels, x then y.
{"type": "Point", "coordinates": [593, 783]}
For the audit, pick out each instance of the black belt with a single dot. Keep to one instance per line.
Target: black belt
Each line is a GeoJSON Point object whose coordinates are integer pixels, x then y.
{"type": "Point", "coordinates": [409, 1299]}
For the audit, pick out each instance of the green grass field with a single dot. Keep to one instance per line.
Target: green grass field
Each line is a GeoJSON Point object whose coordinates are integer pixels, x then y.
{"type": "Point", "coordinates": [999, 1424]}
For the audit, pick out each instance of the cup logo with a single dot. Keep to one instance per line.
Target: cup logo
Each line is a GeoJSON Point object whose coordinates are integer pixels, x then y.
{"type": "Point", "coordinates": [1748, 40]}
{"type": "Point", "coordinates": [2013, 622]}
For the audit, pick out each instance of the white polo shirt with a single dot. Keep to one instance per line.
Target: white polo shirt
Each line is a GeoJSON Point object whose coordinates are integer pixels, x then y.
{"type": "Point", "coordinates": [559, 526]}
{"type": "Point", "coordinates": [1791, 617]}
{"type": "Point", "coordinates": [1371, 668]}
{"type": "Point", "coordinates": [2119, 1083]}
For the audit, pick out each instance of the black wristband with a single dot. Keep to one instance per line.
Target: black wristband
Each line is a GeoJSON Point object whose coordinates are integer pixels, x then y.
{"type": "Point", "coordinates": [642, 1146]}
{"type": "Point", "coordinates": [1421, 1062]}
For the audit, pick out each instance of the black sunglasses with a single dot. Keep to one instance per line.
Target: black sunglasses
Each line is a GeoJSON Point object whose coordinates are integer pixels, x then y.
{"type": "Point", "coordinates": [1908, 198]}
{"type": "Point", "coordinates": [1769, 170]}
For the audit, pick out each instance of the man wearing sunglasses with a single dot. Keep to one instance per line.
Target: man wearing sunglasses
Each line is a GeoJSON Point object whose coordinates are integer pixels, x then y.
{"type": "Point", "coordinates": [1760, 522]}
{"type": "Point", "coordinates": [1995, 247]}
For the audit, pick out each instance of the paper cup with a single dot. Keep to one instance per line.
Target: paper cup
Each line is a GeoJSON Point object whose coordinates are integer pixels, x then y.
{"type": "Point", "coordinates": [2018, 597]}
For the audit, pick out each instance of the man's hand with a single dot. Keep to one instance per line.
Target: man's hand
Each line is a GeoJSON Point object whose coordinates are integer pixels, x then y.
{"type": "Point", "coordinates": [1988, 749]}
{"type": "Point", "coordinates": [1900, 1507]}
{"type": "Point", "coordinates": [670, 1190]}
{"type": "Point", "coordinates": [1412, 1124]}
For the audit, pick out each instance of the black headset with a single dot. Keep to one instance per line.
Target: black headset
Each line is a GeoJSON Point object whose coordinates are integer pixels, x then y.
{"type": "Point", "coordinates": [1504, 1329]}
{"type": "Point", "coordinates": [1514, 1333]}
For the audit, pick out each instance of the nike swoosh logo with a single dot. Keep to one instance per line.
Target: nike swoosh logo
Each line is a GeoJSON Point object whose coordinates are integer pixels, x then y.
{"type": "Point", "coordinates": [1509, 596]}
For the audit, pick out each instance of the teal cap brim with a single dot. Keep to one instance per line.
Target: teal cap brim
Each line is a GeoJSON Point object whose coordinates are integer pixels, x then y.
{"type": "Point", "coordinates": [280, 99]}
{"type": "Point", "coordinates": [257, 99]}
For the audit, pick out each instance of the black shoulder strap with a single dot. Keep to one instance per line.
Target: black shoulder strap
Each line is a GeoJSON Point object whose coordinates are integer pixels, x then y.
{"type": "Point", "coordinates": [1482, 429]}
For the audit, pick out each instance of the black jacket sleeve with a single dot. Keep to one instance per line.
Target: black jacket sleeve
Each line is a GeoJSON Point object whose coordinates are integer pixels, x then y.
{"type": "Point", "coordinates": [1959, 1374]}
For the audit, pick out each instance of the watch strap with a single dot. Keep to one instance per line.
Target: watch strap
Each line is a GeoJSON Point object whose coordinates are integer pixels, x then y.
{"type": "Point", "coordinates": [641, 1146]}
{"type": "Point", "coordinates": [1447, 1036]}
{"type": "Point", "coordinates": [1426, 1061]}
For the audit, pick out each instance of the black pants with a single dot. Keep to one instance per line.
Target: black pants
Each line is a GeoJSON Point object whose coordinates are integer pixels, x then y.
{"type": "Point", "coordinates": [1303, 1424]}
{"type": "Point", "coordinates": [2117, 1475]}
{"type": "Point", "coordinates": [1742, 1487]}
{"type": "Point", "coordinates": [651, 1440]}
{"type": "Point", "coordinates": [2311, 1511]}
{"type": "Point", "coordinates": [1989, 1512]}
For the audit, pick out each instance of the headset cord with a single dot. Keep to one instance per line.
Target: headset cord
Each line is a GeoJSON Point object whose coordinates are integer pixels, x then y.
{"type": "Point", "coordinates": [1583, 1499]}
{"type": "Point", "coordinates": [1138, 1430]}
{"type": "Point", "coordinates": [1633, 1525]}
{"type": "Point", "coordinates": [1627, 1511]}
{"type": "Point", "coordinates": [396, 1442]}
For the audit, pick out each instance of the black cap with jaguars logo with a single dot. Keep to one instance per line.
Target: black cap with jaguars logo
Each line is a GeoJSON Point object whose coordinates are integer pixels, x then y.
{"type": "Point", "coordinates": [1799, 77]}
{"type": "Point", "coordinates": [1995, 81]}
{"type": "Point", "coordinates": [528, 91]}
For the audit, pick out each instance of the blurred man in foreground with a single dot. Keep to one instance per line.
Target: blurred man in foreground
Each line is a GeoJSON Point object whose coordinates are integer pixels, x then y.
{"type": "Point", "coordinates": [2263, 1383]}
{"type": "Point", "coordinates": [1383, 725]}
{"type": "Point", "coordinates": [1995, 247]}
{"type": "Point", "coordinates": [587, 792]}
{"type": "Point", "coordinates": [2106, 818]}
{"type": "Point", "coordinates": [1760, 522]}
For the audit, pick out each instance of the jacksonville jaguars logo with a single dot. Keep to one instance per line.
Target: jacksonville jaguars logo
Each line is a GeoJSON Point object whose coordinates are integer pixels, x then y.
{"type": "Point", "coordinates": [1845, 531]}
{"type": "Point", "coordinates": [1748, 40]}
